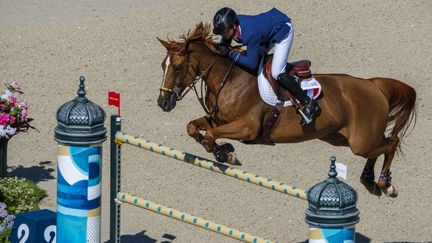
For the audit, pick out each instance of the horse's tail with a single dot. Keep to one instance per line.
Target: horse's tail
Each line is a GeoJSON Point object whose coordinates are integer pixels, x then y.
{"type": "Point", "coordinates": [401, 98]}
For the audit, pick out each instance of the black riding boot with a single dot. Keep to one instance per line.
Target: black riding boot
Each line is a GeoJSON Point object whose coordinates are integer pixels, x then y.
{"type": "Point", "coordinates": [310, 106]}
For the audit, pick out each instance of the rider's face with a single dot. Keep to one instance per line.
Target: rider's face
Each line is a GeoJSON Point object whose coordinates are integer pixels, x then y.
{"type": "Point", "coordinates": [229, 33]}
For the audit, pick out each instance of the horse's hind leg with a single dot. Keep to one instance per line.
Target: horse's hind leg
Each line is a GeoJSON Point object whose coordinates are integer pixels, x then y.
{"type": "Point", "coordinates": [335, 139]}
{"type": "Point", "coordinates": [388, 148]}
{"type": "Point", "coordinates": [367, 177]}
{"type": "Point", "coordinates": [384, 181]}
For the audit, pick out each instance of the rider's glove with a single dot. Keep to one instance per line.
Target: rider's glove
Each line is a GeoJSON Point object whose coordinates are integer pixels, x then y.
{"type": "Point", "coordinates": [224, 51]}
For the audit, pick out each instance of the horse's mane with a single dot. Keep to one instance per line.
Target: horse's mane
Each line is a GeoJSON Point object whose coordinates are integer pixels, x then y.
{"type": "Point", "coordinates": [201, 33]}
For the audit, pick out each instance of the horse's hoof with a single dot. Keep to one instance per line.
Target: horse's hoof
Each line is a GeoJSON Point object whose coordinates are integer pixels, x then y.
{"type": "Point", "coordinates": [372, 187]}
{"type": "Point", "coordinates": [232, 159]}
{"type": "Point", "coordinates": [391, 192]}
{"type": "Point", "coordinates": [220, 156]}
{"type": "Point", "coordinates": [227, 147]}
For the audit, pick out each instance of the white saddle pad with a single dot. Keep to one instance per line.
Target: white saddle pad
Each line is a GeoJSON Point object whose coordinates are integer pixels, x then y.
{"type": "Point", "coordinates": [312, 87]}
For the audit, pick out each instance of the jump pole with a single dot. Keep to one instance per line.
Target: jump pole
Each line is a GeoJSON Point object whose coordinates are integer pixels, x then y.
{"type": "Point", "coordinates": [123, 197]}
{"type": "Point", "coordinates": [231, 171]}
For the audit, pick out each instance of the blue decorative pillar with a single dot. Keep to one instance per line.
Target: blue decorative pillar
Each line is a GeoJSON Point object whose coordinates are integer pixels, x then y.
{"type": "Point", "coordinates": [80, 133]}
{"type": "Point", "coordinates": [332, 213]}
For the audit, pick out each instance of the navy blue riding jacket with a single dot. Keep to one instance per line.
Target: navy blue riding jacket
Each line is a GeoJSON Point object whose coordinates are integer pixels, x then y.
{"type": "Point", "coordinates": [260, 32]}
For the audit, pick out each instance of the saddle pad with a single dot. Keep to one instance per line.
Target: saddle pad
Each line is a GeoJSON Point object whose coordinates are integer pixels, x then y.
{"type": "Point", "coordinates": [312, 87]}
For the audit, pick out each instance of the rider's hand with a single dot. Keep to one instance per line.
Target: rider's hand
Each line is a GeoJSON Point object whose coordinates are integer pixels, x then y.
{"type": "Point", "coordinates": [224, 51]}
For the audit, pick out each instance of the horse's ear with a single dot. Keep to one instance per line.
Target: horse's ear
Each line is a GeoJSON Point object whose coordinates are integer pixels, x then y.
{"type": "Point", "coordinates": [187, 45]}
{"type": "Point", "coordinates": [166, 44]}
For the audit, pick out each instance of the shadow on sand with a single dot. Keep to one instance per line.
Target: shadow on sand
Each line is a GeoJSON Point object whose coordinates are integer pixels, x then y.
{"type": "Point", "coordinates": [142, 238]}
{"type": "Point", "coordinates": [36, 173]}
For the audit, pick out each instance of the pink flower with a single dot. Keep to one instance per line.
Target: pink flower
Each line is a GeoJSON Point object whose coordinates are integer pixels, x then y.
{"type": "Point", "coordinates": [16, 86]}
{"type": "Point", "coordinates": [22, 104]}
{"type": "Point", "coordinates": [12, 100]}
{"type": "Point", "coordinates": [14, 117]}
{"type": "Point", "coordinates": [24, 115]}
{"type": "Point", "coordinates": [4, 119]}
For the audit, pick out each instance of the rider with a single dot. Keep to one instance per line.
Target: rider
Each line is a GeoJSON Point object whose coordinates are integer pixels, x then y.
{"type": "Point", "coordinates": [262, 32]}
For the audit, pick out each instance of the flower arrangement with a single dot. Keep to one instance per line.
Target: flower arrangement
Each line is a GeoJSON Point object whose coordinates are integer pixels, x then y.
{"type": "Point", "coordinates": [14, 116]}
{"type": "Point", "coordinates": [6, 223]}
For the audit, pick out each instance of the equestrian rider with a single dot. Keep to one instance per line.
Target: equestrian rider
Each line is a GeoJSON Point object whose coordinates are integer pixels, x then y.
{"type": "Point", "coordinates": [261, 33]}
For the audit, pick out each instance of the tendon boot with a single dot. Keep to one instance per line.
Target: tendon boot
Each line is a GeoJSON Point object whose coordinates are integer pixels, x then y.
{"type": "Point", "coordinates": [310, 106]}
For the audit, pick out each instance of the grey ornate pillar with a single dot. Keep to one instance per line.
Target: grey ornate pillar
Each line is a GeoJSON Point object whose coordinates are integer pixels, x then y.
{"type": "Point", "coordinates": [80, 133]}
{"type": "Point", "coordinates": [332, 213]}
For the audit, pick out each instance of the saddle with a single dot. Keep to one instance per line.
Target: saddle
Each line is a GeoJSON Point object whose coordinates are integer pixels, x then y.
{"type": "Point", "coordinates": [298, 70]}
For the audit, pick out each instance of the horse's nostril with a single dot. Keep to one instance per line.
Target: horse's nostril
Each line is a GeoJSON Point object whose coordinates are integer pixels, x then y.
{"type": "Point", "coordinates": [167, 103]}
{"type": "Point", "coordinates": [164, 104]}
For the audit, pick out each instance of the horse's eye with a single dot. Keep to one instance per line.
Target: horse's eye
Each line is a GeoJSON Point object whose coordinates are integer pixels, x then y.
{"type": "Point", "coordinates": [177, 69]}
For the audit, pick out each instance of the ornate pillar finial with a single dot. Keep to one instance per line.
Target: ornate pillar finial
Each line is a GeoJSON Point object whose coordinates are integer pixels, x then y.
{"type": "Point", "coordinates": [332, 172]}
{"type": "Point", "coordinates": [81, 90]}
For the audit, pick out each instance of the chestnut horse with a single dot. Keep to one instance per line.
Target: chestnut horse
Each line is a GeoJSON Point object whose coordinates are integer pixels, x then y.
{"type": "Point", "coordinates": [355, 112]}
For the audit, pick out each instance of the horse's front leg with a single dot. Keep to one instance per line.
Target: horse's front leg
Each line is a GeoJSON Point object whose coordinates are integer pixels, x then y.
{"type": "Point", "coordinates": [194, 127]}
{"type": "Point", "coordinates": [236, 130]}
{"type": "Point", "coordinates": [222, 153]}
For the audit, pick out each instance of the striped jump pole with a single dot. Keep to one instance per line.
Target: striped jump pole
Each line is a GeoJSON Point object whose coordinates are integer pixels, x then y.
{"type": "Point", "coordinates": [123, 197]}
{"type": "Point", "coordinates": [231, 171]}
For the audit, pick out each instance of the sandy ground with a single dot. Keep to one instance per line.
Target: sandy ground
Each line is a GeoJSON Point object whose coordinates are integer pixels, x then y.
{"type": "Point", "coordinates": [48, 44]}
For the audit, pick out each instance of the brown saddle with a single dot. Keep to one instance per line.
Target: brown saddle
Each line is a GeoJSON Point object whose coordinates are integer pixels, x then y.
{"type": "Point", "coordinates": [299, 70]}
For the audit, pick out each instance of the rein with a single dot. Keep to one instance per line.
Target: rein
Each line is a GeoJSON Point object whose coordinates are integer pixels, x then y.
{"type": "Point", "coordinates": [214, 110]}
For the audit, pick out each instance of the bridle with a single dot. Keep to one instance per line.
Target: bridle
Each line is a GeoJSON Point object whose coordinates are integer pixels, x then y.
{"type": "Point", "coordinates": [202, 77]}
{"type": "Point", "coordinates": [180, 79]}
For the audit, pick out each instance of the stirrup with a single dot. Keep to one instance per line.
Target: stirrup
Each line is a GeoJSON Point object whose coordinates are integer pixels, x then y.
{"type": "Point", "coordinates": [313, 112]}
{"type": "Point", "coordinates": [305, 120]}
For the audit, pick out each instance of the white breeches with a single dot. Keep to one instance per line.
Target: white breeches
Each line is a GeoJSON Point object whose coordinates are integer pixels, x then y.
{"type": "Point", "coordinates": [281, 52]}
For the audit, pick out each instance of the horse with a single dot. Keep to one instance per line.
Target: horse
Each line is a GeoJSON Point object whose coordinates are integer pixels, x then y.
{"type": "Point", "coordinates": [370, 116]}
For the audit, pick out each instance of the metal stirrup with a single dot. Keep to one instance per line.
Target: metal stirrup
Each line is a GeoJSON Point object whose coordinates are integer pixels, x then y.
{"type": "Point", "coordinates": [307, 120]}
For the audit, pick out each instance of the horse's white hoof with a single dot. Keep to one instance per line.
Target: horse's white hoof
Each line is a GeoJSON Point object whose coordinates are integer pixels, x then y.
{"type": "Point", "coordinates": [232, 159]}
{"type": "Point", "coordinates": [391, 191]}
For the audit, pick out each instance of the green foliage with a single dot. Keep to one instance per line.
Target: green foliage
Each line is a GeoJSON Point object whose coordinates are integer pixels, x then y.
{"type": "Point", "coordinates": [16, 195]}
{"type": "Point", "coordinates": [6, 224]}
{"type": "Point", "coordinates": [20, 195]}
{"type": "Point", "coordinates": [4, 235]}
